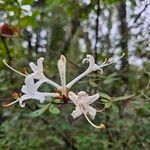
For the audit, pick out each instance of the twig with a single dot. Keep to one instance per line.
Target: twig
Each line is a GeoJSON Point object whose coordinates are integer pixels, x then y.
{"type": "Point", "coordinates": [138, 16]}
{"type": "Point", "coordinates": [96, 30]}
{"type": "Point", "coordinates": [8, 57]}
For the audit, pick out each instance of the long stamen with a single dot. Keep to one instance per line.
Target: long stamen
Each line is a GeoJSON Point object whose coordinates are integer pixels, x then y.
{"type": "Point", "coordinates": [4, 61]}
{"type": "Point", "coordinates": [98, 127]}
{"type": "Point", "coordinates": [111, 62]}
{"type": "Point", "coordinates": [9, 104]}
{"type": "Point", "coordinates": [100, 110]}
{"type": "Point", "coordinates": [95, 126]}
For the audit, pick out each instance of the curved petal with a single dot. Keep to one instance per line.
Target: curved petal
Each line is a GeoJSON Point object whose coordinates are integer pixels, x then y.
{"type": "Point", "coordinates": [62, 70]}
{"type": "Point", "coordinates": [76, 113]}
{"type": "Point", "coordinates": [22, 99]}
{"type": "Point", "coordinates": [73, 97]}
{"type": "Point", "coordinates": [29, 84]}
{"type": "Point", "coordinates": [39, 96]}
{"type": "Point", "coordinates": [82, 95]}
{"type": "Point", "coordinates": [33, 66]}
{"type": "Point", "coordinates": [91, 99]}
{"type": "Point", "coordinates": [91, 111]}
{"type": "Point", "coordinates": [40, 62]}
{"type": "Point", "coordinates": [24, 89]}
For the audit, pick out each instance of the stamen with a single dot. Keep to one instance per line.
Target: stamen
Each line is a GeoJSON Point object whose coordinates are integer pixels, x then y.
{"type": "Point", "coordinates": [100, 110]}
{"type": "Point", "coordinates": [4, 61]}
{"type": "Point", "coordinates": [9, 104]}
{"type": "Point", "coordinates": [95, 126]}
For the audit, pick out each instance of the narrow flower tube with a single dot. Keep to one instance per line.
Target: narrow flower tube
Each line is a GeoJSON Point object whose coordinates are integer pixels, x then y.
{"type": "Point", "coordinates": [92, 67]}
{"type": "Point", "coordinates": [62, 70]}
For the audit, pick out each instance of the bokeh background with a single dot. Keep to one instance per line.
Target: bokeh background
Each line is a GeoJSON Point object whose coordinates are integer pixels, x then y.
{"type": "Point", "coordinates": [30, 29]}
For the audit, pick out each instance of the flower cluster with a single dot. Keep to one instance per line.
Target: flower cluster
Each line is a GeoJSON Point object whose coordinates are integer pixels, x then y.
{"type": "Point", "coordinates": [81, 100]}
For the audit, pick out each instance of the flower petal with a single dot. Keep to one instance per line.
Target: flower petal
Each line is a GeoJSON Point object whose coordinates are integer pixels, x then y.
{"type": "Point", "coordinates": [73, 97]}
{"type": "Point", "coordinates": [22, 99]}
{"type": "Point", "coordinates": [33, 66]}
{"type": "Point", "coordinates": [76, 113]}
{"type": "Point", "coordinates": [91, 111]}
{"type": "Point", "coordinates": [40, 62]}
{"type": "Point", "coordinates": [83, 95]}
{"type": "Point", "coordinates": [62, 70]}
{"type": "Point", "coordinates": [91, 99]}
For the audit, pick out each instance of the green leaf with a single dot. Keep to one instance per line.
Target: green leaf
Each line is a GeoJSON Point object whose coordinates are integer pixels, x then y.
{"type": "Point", "coordinates": [39, 111]}
{"type": "Point", "coordinates": [93, 84]}
{"type": "Point", "coordinates": [120, 98]}
{"type": "Point", "coordinates": [107, 103]}
{"type": "Point", "coordinates": [54, 110]}
{"type": "Point", "coordinates": [58, 101]}
{"type": "Point", "coordinates": [104, 95]}
{"type": "Point", "coordinates": [115, 108]}
{"type": "Point", "coordinates": [110, 80]}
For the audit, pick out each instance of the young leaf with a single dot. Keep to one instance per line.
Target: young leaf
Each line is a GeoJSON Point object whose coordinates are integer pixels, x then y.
{"type": "Point", "coordinates": [115, 108]}
{"type": "Point", "coordinates": [106, 103]}
{"type": "Point", "coordinates": [120, 98]}
{"type": "Point", "coordinates": [103, 95]}
{"type": "Point", "coordinates": [54, 110]}
{"type": "Point", "coordinates": [93, 84]}
{"type": "Point", "coordinates": [39, 111]}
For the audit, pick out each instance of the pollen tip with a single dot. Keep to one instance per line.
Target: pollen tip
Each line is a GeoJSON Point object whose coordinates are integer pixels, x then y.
{"type": "Point", "coordinates": [5, 105]}
{"type": "Point", "coordinates": [4, 60]}
{"type": "Point", "coordinates": [63, 57]}
{"type": "Point", "coordinates": [102, 126]}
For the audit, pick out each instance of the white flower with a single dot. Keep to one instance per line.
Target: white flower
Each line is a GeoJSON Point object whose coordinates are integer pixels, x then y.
{"type": "Point", "coordinates": [37, 69]}
{"type": "Point", "coordinates": [82, 102]}
{"type": "Point", "coordinates": [30, 90]}
{"type": "Point", "coordinates": [62, 72]}
{"type": "Point", "coordinates": [64, 88]}
{"type": "Point", "coordinates": [92, 67]}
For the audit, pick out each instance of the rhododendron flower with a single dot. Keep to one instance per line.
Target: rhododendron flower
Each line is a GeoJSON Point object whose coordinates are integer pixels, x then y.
{"type": "Point", "coordinates": [82, 102]}
{"type": "Point", "coordinates": [30, 90]}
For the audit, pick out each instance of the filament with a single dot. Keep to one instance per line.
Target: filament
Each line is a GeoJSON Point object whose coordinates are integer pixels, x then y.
{"type": "Point", "coordinates": [9, 104]}
{"type": "Point", "coordinates": [4, 61]}
{"type": "Point", "coordinates": [95, 126]}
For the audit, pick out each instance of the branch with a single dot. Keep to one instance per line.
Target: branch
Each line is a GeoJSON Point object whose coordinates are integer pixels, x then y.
{"type": "Point", "coordinates": [138, 16]}
{"type": "Point", "coordinates": [96, 30]}
{"type": "Point", "coordinates": [8, 57]}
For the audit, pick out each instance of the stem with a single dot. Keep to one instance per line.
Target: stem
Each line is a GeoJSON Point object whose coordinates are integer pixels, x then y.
{"type": "Point", "coordinates": [8, 57]}
{"type": "Point", "coordinates": [96, 30]}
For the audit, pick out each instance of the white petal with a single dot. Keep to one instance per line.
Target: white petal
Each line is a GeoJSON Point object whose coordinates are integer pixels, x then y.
{"type": "Point", "coordinates": [82, 95]}
{"type": "Point", "coordinates": [91, 99]}
{"type": "Point", "coordinates": [91, 111]}
{"type": "Point", "coordinates": [22, 99]}
{"type": "Point", "coordinates": [76, 113]}
{"type": "Point", "coordinates": [62, 70]}
{"type": "Point", "coordinates": [39, 96]}
{"type": "Point", "coordinates": [33, 66]}
{"type": "Point", "coordinates": [40, 62]}
{"type": "Point", "coordinates": [73, 97]}
{"type": "Point", "coordinates": [24, 89]}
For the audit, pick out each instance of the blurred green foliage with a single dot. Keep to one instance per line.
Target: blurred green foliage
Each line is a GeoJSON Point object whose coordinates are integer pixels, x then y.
{"type": "Point", "coordinates": [50, 28]}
